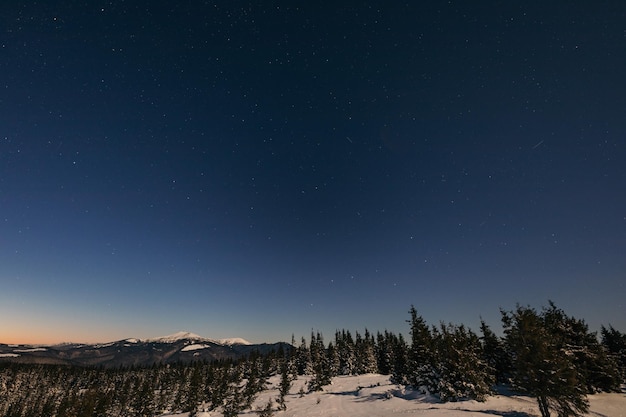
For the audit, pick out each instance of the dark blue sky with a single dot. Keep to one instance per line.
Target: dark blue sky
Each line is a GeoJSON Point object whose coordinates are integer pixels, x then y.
{"type": "Point", "coordinates": [237, 169]}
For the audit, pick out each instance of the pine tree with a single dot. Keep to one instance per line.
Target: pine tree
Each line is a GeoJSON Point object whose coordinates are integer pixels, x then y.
{"type": "Point", "coordinates": [234, 401]}
{"type": "Point", "coordinates": [494, 354]}
{"type": "Point", "coordinates": [292, 360]}
{"type": "Point", "coordinates": [255, 382]}
{"type": "Point", "coordinates": [400, 366]}
{"type": "Point", "coordinates": [614, 343]}
{"type": "Point", "coordinates": [285, 385]}
{"type": "Point", "coordinates": [219, 389]}
{"type": "Point", "coordinates": [596, 371]}
{"type": "Point", "coordinates": [346, 352]}
{"type": "Point", "coordinates": [384, 353]}
{"type": "Point", "coordinates": [207, 384]}
{"type": "Point", "coordinates": [365, 354]}
{"type": "Point", "coordinates": [333, 360]}
{"type": "Point", "coordinates": [303, 359]}
{"type": "Point", "coordinates": [321, 370]}
{"type": "Point", "coordinates": [460, 371]}
{"type": "Point", "coordinates": [543, 366]}
{"type": "Point", "coordinates": [192, 391]}
{"type": "Point", "coordinates": [421, 372]}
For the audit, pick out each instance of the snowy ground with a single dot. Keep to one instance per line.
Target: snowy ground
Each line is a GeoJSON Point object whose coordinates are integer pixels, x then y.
{"type": "Point", "coordinates": [375, 396]}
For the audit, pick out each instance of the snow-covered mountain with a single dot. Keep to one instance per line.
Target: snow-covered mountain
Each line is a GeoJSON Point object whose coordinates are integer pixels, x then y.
{"type": "Point", "coordinates": [178, 336]}
{"type": "Point", "coordinates": [234, 341]}
{"type": "Point", "coordinates": [180, 346]}
{"type": "Point", "coordinates": [175, 337]}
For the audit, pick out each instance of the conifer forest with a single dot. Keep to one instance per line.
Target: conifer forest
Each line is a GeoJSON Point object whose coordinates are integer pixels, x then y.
{"type": "Point", "coordinates": [545, 354]}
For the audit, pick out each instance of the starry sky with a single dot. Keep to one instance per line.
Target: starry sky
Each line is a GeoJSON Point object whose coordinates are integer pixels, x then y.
{"type": "Point", "coordinates": [263, 169]}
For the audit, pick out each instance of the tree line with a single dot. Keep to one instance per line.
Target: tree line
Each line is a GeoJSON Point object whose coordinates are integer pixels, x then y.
{"type": "Point", "coordinates": [543, 353]}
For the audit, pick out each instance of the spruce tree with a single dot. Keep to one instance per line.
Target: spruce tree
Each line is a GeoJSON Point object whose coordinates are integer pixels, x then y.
{"type": "Point", "coordinates": [384, 353]}
{"type": "Point", "coordinates": [303, 359]}
{"type": "Point", "coordinates": [614, 343]}
{"type": "Point", "coordinates": [421, 373]}
{"type": "Point", "coordinates": [365, 354]}
{"type": "Point", "coordinates": [460, 371]}
{"type": "Point", "coordinates": [543, 366]}
{"type": "Point", "coordinates": [596, 371]}
{"type": "Point", "coordinates": [321, 375]}
{"type": "Point", "coordinates": [333, 360]}
{"type": "Point", "coordinates": [346, 352]}
{"type": "Point", "coordinates": [234, 401]}
{"type": "Point", "coordinates": [494, 354]}
{"type": "Point", "coordinates": [255, 381]}
{"type": "Point", "coordinates": [400, 364]}
{"type": "Point", "coordinates": [219, 389]}
{"type": "Point", "coordinates": [285, 385]}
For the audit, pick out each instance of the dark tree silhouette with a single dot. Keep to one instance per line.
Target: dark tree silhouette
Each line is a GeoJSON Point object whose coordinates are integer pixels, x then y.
{"type": "Point", "coordinates": [543, 366]}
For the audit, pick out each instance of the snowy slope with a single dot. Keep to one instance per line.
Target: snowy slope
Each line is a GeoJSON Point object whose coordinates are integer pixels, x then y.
{"type": "Point", "coordinates": [176, 337]}
{"type": "Point", "coordinates": [172, 338]}
{"type": "Point", "coordinates": [374, 396]}
{"type": "Point", "coordinates": [234, 341]}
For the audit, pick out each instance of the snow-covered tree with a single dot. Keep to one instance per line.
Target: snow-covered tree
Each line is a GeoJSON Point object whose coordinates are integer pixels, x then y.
{"type": "Point", "coordinates": [285, 384]}
{"type": "Point", "coordinates": [346, 352]}
{"type": "Point", "coordinates": [365, 353]}
{"type": "Point", "coordinates": [384, 353]}
{"type": "Point", "coordinates": [460, 371]}
{"type": "Point", "coordinates": [400, 365]}
{"type": "Point", "coordinates": [596, 371]}
{"type": "Point", "coordinates": [614, 342]}
{"type": "Point", "coordinates": [543, 366]}
{"type": "Point", "coordinates": [321, 375]}
{"type": "Point", "coordinates": [303, 359]}
{"type": "Point", "coordinates": [420, 371]}
{"type": "Point", "coordinates": [234, 400]}
{"type": "Point", "coordinates": [494, 354]}
{"type": "Point", "coordinates": [333, 359]}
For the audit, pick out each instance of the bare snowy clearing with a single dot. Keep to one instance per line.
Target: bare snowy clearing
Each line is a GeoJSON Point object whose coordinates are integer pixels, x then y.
{"type": "Point", "coordinates": [374, 396]}
{"type": "Point", "coordinates": [194, 347]}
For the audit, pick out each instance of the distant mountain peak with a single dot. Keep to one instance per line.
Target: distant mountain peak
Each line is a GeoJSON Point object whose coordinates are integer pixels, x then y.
{"type": "Point", "coordinates": [175, 337]}
{"type": "Point", "coordinates": [234, 341]}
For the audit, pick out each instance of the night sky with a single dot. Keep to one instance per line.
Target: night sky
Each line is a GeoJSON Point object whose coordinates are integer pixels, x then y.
{"type": "Point", "coordinates": [251, 170]}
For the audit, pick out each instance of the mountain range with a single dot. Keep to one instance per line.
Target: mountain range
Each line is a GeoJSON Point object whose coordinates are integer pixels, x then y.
{"type": "Point", "coordinates": [178, 347]}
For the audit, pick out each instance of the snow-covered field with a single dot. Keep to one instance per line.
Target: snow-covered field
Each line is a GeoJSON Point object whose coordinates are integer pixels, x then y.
{"type": "Point", "coordinates": [374, 396]}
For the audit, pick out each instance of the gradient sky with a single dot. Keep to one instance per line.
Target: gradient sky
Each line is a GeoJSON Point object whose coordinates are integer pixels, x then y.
{"type": "Point", "coordinates": [257, 171]}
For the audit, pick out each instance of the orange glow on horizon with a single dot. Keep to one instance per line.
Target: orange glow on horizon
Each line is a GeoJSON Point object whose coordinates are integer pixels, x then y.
{"type": "Point", "coordinates": [50, 338]}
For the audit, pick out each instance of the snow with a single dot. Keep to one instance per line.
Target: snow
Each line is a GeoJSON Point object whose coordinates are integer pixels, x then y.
{"type": "Point", "coordinates": [30, 350]}
{"type": "Point", "coordinates": [234, 341]}
{"type": "Point", "coordinates": [374, 396]}
{"type": "Point", "coordinates": [104, 345]}
{"type": "Point", "coordinates": [194, 347]}
{"type": "Point", "coordinates": [192, 336]}
{"type": "Point", "coordinates": [176, 337]}
{"type": "Point", "coordinates": [610, 405]}
{"type": "Point", "coordinates": [9, 355]}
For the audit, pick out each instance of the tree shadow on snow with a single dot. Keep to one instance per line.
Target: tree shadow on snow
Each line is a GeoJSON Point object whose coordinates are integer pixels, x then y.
{"type": "Point", "coordinates": [500, 413]}
{"type": "Point", "coordinates": [380, 396]}
{"type": "Point", "coordinates": [415, 396]}
{"type": "Point", "coordinates": [408, 395]}
{"type": "Point", "coordinates": [353, 393]}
